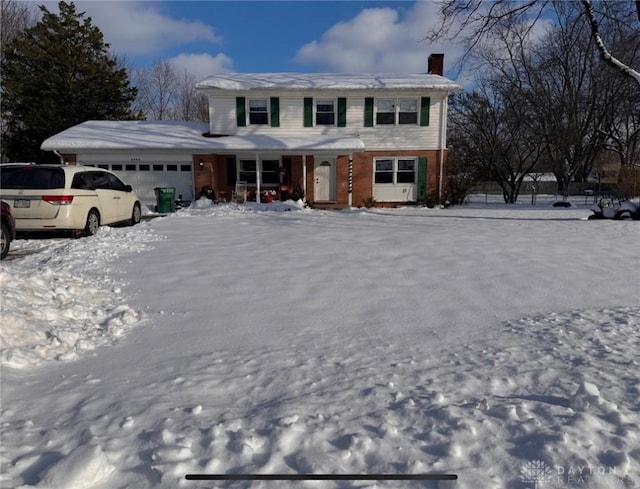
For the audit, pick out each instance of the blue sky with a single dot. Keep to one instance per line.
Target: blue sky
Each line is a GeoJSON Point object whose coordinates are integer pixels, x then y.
{"type": "Point", "coordinates": [208, 37]}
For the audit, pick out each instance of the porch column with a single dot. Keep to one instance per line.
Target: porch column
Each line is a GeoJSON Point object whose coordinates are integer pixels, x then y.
{"type": "Point", "coordinates": [258, 173]}
{"type": "Point", "coordinates": [350, 181]}
{"type": "Point", "coordinates": [304, 175]}
{"type": "Point", "coordinates": [442, 144]}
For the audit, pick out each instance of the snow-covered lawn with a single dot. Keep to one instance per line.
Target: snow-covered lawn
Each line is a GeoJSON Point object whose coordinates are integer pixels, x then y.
{"type": "Point", "coordinates": [496, 343]}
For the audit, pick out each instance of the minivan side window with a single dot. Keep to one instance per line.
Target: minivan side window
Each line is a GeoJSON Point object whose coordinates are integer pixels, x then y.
{"type": "Point", "coordinates": [107, 181]}
{"type": "Point", "coordinates": [115, 183]}
{"type": "Point", "coordinates": [100, 180]}
{"type": "Point", "coordinates": [82, 181]}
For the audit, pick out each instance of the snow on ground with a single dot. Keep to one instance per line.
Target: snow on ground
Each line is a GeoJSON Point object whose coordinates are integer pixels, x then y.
{"type": "Point", "coordinates": [498, 343]}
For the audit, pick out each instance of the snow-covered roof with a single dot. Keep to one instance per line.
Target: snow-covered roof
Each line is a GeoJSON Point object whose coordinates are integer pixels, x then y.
{"type": "Point", "coordinates": [328, 81]}
{"type": "Point", "coordinates": [177, 135]}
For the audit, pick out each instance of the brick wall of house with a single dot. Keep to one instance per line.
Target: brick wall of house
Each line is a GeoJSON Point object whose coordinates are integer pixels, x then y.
{"type": "Point", "coordinates": [363, 172]}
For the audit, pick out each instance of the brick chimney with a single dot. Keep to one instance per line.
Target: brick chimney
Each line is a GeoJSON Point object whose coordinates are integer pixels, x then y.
{"type": "Point", "coordinates": [435, 65]}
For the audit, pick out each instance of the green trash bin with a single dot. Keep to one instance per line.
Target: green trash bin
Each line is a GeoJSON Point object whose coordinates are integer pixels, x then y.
{"type": "Point", "coordinates": [165, 199]}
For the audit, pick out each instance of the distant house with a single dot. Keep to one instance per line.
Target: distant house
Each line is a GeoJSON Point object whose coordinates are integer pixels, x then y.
{"type": "Point", "coordinates": [342, 139]}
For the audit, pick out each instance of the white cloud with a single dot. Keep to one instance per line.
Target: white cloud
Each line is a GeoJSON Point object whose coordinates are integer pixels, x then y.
{"type": "Point", "coordinates": [379, 40]}
{"type": "Point", "coordinates": [202, 65]}
{"type": "Point", "coordinates": [133, 28]}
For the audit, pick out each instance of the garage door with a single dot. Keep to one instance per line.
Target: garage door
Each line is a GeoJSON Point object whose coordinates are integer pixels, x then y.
{"type": "Point", "coordinates": [144, 176]}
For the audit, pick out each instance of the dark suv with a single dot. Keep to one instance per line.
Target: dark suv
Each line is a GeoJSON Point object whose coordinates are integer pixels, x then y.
{"type": "Point", "coordinates": [8, 229]}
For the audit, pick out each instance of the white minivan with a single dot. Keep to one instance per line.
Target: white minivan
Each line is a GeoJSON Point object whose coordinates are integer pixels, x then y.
{"type": "Point", "coordinates": [66, 197]}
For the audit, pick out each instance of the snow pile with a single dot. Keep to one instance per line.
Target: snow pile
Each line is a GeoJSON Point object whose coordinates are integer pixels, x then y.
{"type": "Point", "coordinates": [484, 342]}
{"type": "Point", "coordinates": [58, 300]}
{"type": "Point", "coordinates": [206, 207]}
{"type": "Point", "coordinates": [82, 468]}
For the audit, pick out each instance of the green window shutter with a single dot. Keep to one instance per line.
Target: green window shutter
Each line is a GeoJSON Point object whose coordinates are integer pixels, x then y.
{"type": "Point", "coordinates": [422, 179]}
{"type": "Point", "coordinates": [425, 104]}
{"type": "Point", "coordinates": [275, 112]}
{"type": "Point", "coordinates": [241, 112]}
{"type": "Point", "coordinates": [368, 112]}
{"type": "Point", "coordinates": [308, 112]}
{"type": "Point", "coordinates": [342, 112]}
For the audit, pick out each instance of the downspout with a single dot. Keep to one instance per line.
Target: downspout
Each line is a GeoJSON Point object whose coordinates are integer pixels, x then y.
{"type": "Point", "coordinates": [59, 156]}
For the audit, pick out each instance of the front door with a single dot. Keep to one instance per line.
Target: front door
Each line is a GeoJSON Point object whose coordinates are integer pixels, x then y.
{"type": "Point", "coordinates": [325, 179]}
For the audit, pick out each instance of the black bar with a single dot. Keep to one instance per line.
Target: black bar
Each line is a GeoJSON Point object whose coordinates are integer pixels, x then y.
{"type": "Point", "coordinates": [321, 477]}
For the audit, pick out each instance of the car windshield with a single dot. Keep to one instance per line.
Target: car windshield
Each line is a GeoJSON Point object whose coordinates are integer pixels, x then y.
{"type": "Point", "coordinates": [31, 177]}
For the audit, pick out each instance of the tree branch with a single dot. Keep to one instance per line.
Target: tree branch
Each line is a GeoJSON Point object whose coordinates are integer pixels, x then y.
{"type": "Point", "coordinates": [604, 52]}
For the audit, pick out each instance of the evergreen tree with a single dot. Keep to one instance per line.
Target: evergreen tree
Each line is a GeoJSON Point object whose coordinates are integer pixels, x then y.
{"type": "Point", "coordinates": [55, 75]}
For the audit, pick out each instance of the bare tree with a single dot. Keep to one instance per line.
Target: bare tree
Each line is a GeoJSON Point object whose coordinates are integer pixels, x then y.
{"type": "Point", "coordinates": [15, 17]}
{"type": "Point", "coordinates": [604, 52]}
{"type": "Point", "coordinates": [164, 94]}
{"type": "Point", "coordinates": [191, 105]}
{"type": "Point", "coordinates": [472, 21]}
{"type": "Point", "coordinates": [156, 90]}
{"type": "Point", "coordinates": [491, 132]}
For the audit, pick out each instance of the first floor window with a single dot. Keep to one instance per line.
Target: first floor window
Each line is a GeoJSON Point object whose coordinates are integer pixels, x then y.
{"type": "Point", "coordinates": [395, 170]}
{"type": "Point", "coordinates": [258, 112]}
{"type": "Point", "coordinates": [247, 171]}
{"type": "Point", "coordinates": [268, 176]}
{"type": "Point", "coordinates": [406, 171]}
{"type": "Point", "coordinates": [270, 171]}
{"type": "Point", "coordinates": [384, 171]}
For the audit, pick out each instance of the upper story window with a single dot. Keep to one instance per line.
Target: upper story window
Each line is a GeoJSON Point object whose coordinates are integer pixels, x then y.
{"type": "Point", "coordinates": [396, 111]}
{"type": "Point", "coordinates": [325, 112]}
{"type": "Point", "coordinates": [407, 111]}
{"type": "Point", "coordinates": [385, 111]}
{"type": "Point", "coordinates": [258, 111]}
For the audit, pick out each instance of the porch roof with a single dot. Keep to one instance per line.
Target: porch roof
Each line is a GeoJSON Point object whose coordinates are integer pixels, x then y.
{"type": "Point", "coordinates": [186, 136]}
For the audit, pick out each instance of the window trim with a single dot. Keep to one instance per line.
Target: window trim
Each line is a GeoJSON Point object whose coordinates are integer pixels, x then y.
{"type": "Point", "coordinates": [417, 101]}
{"type": "Point", "coordinates": [259, 164]}
{"type": "Point", "coordinates": [334, 103]}
{"type": "Point", "coordinates": [395, 169]}
{"type": "Point", "coordinates": [267, 105]}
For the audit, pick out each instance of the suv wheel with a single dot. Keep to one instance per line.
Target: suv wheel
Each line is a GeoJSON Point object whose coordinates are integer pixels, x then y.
{"type": "Point", "coordinates": [93, 223]}
{"type": "Point", "coordinates": [5, 241]}
{"type": "Point", "coordinates": [136, 214]}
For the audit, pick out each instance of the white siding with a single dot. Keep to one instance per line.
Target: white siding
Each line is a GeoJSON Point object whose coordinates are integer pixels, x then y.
{"type": "Point", "coordinates": [223, 118]}
{"type": "Point", "coordinates": [222, 115]}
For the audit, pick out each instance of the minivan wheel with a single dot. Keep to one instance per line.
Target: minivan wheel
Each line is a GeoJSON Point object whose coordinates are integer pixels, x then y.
{"type": "Point", "coordinates": [93, 223]}
{"type": "Point", "coordinates": [5, 241]}
{"type": "Point", "coordinates": [136, 214]}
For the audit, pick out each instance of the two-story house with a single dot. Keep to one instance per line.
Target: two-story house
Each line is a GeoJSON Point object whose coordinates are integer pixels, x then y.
{"type": "Point", "coordinates": [341, 139]}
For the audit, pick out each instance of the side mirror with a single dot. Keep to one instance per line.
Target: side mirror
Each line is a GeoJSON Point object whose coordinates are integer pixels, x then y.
{"type": "Point", "coordinates": [128, 188]}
